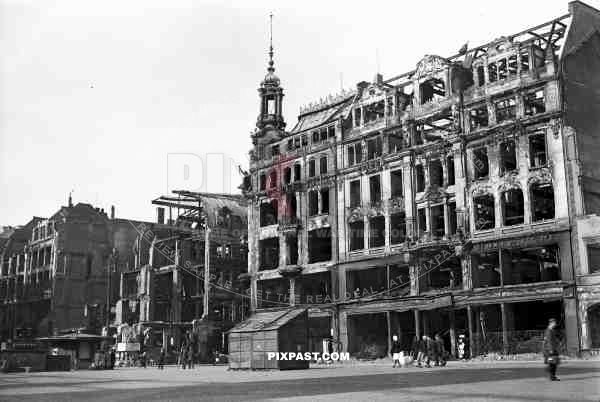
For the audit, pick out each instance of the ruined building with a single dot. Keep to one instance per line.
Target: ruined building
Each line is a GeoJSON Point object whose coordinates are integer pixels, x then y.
{"type": "Point", "coordinates": [55, 272]}
{"type": "Point", "coordinates": [458, 198]}
{"type": "Point", "coordinates": [165, 295]}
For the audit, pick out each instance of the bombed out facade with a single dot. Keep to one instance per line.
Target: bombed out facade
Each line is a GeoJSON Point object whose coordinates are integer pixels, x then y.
{"type": "Point", "coordinates": [458, 198]}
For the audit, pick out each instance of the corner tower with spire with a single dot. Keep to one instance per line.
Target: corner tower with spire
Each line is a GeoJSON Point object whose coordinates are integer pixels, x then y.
{"type": "Point", "coordinates": [271, 94]}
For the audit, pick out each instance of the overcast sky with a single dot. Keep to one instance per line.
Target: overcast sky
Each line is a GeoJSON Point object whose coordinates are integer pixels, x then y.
{"type": "Point", "coordinates": [95, 94]}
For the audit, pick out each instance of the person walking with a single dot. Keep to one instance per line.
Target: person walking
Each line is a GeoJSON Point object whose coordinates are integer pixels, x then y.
{"type": "Point", "coordinates": [551, 344]}
{"type": "Point", "coordinates": [440, 352]}
{"type": "Point", "coordinates": [396, 351]}
{"type": "Point", "coordinates": [424, 349]}
{"type": "Point", "coordinates": [161, 359]}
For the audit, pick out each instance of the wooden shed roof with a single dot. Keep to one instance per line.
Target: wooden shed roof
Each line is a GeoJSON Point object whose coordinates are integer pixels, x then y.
{"type": "Point", "coordinates": [267, 320]}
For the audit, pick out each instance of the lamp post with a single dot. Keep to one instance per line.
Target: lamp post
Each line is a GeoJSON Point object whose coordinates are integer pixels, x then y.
{"type": "Point", "coordinates": [112, 265]}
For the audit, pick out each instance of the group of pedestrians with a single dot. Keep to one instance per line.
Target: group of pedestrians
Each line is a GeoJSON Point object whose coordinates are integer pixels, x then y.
{"type": "Point", "coordinates": [424, 350]}
{"type": "Point", "coordinates": [186, 351]}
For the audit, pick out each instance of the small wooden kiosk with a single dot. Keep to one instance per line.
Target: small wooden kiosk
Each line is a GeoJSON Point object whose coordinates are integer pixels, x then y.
{"type": "Point", "coordinates": [275, 331]}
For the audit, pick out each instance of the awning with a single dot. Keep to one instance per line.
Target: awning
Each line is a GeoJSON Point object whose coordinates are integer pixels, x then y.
{"type": "Point", "coordinates": [267, 320]}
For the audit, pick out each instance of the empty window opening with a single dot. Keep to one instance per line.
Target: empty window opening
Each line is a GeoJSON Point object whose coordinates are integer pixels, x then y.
{"type": "Point", "coordinates": [512, 65]}
{"type": "Point", "coordinates": [513, 207]}
{"type": "Point", "coordinates": [287, 175]}
{"type": "Point", "coordinates": [323, 134]}
{"type": "Point", "coordinates": [478, 117]}
{"type": "Point", "coordinates": [297, 174]}
{"type": "Point", "coordinates": [290, 144]}
{"type": "Point", "coordinates": [312, 168]}
{"type": "Point", "coordinates": [375, 189]}
{"type": "Point", "coordinates": [481, 166]}
{"type": "Point", "coordinates": [374, 111]}
{"type": "Point", "coordinates": [357, 235]}
{"type": "Point", "coordinates": [395, 143]}
{"type": "Point", "coordinates": [323, 165]}
{"type": "Point", "coordinates": [484, 212]}
{"type": "Point", "coordinates": [450, 170]}
{"type": "Point", "coordinates": [502, 69]}
{"type": "Point", "coordinates": [593, 253]}
{"type": "Point", "coordinates": [537, 150]}
{"type": "Point", "coordinates": [292, 205]}
{"type": "Point", "coordinates": [263, 181]}
{"type": "Point", "coordinates": [508, 156]}
{"type": "Point", "coordinates": [366, 281]}
{"type": "Point", "coordinates": [531, 265]}
{"type": "Point", "coordinates": [374, 148]}
{"type": "Point", "coordinates": [538, 57]}
{"type": "Point", "coordinates": [524, 59]}
{"type": "Point", "coordinates": [325, 201]}
{"type": "Point", "coordinates": [315, 137]}
{"type": "Point", "coordinates": [397, 228]}
{"type": "Point", "coordinates": [355, 193]}
{"type": "Point", "coordinates": [269, 254]}
{"type": "Point", "coordinates": [452, 218]}
{"type": "Point", "coordinates": [268, 213]}
{"type": "Point", "coordinates": [304, 140]}
{"type": "Point", "coordinates": [506, 109]}
{"type": "Point", "coordinates": [437, 221]}
{"type": "Point", "coordinates": [273, 179]}
{"type": "Point", "coordinates": [492, 72]}
{"type": "Point", "coordinates": [350, 155]}
{"type": "Point", "coordinates": [421, 221]}
{"type": "Point", "coordinates": [486, 270]}
{"type": "Point", "coordinates": [273, 292]}
{"type": "Point", "coordinates": [444, 276]}
{"type": "Point", "coordinates": [319, 245]}
{"type": "Point", "coordinates": [377, 232]}
{"type": "Point", "coordinates": [331, 132]}
{"type": "Point", "coordinates": [480, 76]}
{"type": "Point", "coordinates": [420, 173]}
{"type": "Point", "coordinates": [542, 200]}
{"type": "Point", "coordinates": [357, 117]}
{"type": "Point", "coordinates": [275, 150]}
{"type": "Point", "coordinates": [534, 103]}
{"type": "Point", "coordinates": [396, 183]}
{"type": "Point", "coordinates": [436, 173]}
{"type": "Point", "coordinates": [432, 90]}
{"type": "Point", "coordinates": [313, 203]}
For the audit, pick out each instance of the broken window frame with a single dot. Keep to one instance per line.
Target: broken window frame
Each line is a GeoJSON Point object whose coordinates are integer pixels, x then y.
{"type": "Point", "coordinates": [397, 228]}
{"type": "Point", "coordinates": [375, 193]}
{"type": "Point", "coordinates": [484, 212]}
{"type": "Point", "coordinates": [543, 200]}
{"type": "Point", "coordinates": [514, 213]}
{"type": "Point", "coordinates": [374, 148]}
{"type": "Point", "coordinates": [479, 117]}
{"type": "Point", "coordinates": [450, 172]}
{"type": "Point", "coordinates": [324, 193]}
{"type": "Point", "coordinates": [538, 158]}
{"type": "Point", "coordinates": [421, 221]}
{"type": "Point", "coordinates": [312, 168]}
{"type": "Point", "coordinates": [377, 231]}
{"type": "Point", "coordinates": [438, 221]}
{"type": "Point", "coordinates": [481, 164]}
{"type": "Point", "coordinates": [355, 193]}
{"type": "Point", "coordinates": [356, 238]}
{"type": "Point", "coordinates": [396, 183]}
{"type": "Point", "coordinates": [420, 177]}
{"type": "Point", "coordinates": [316, 252]}
{"type": "Point", "coordinates": [436, 173]}
{"type": "Point", "coordinates": [534, 102]}
{"type": "Point", "coordinates": [508, 161]}
{"type": "Point", "coordinates": [506, 109]}
{"type": "Point", "coordinates": [297, 172]}
{"type": "Point", "coordinates": [313, 203]}
{"type": "Point", "coordinates": [437, 87]}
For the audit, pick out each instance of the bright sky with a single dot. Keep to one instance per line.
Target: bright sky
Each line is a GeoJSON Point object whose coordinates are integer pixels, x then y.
{"type": "Point", "coordinates": [95, 94]}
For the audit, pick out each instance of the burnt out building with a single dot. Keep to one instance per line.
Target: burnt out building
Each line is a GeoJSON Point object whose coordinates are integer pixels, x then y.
{"type": "Point", "coordinates": [61, 273]}
{"type": "Point", "coordinates": [197, 236]}
{"type": "Point", "coordinates": [443, 200]}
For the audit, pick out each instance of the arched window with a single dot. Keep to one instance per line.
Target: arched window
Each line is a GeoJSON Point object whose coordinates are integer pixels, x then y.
{"type": "Point", "coordinates": [512, 207]}
{"type": "Point", "coordinates": [542, 201]}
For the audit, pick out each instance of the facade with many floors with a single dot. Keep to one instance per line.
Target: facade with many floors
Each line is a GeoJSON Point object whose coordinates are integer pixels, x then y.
{"type": "Point", "coordinates": [458, 198]}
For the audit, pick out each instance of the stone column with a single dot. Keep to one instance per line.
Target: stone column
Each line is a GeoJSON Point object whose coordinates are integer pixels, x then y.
{"type": "Point", "coordinates": [472, 351]}
{"type": "Point", "coordinates": [417, 314]}
{"type": "Point", "coordinates": [292, 291]}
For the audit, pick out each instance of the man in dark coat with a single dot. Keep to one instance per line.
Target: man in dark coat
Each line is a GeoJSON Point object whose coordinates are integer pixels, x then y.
{"type": "Point", "coordinates": [551, 345]}
{"type": "Point", "coordinates": [396, 348]}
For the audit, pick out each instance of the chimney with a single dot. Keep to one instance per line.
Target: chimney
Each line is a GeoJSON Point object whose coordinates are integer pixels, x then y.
{"type": "Point", "coordinates": [160, 215]}
{"type": "Point", "coordinates": [378, 79]}
{"type": "Point", "coordinates": [112, 212]}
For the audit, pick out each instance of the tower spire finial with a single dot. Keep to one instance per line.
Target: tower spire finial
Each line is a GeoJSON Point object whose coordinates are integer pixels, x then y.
{"type": "Point", "coordinates": [271, 68]}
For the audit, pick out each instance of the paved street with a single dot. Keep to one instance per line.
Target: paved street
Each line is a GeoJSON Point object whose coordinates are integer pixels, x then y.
{"type": "Point", "coordinates": [509, 381]}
